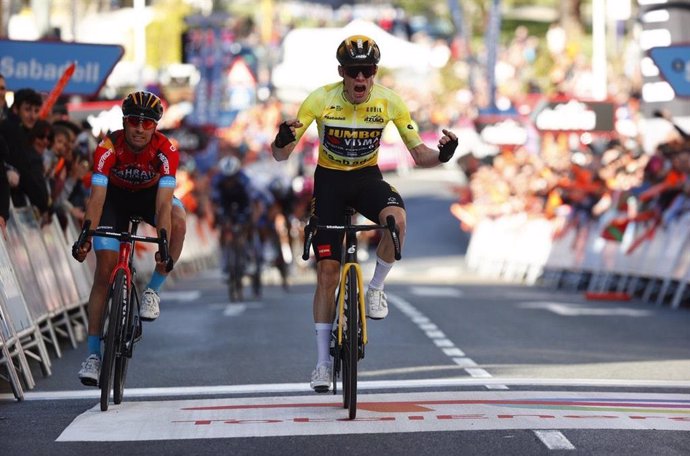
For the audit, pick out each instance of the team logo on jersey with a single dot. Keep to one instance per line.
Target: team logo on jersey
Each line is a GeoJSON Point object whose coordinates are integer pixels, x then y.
{"type": "Point", "coordinates": [103, 159]}
{"type": "Point", "coordinates": [165, 163]}
{"type": "Point", "coordinates": [374, 119]}
{"type": "Point", "coordinates": [134, 175]}
{"type": "Point", "coordinates": [351, 146]}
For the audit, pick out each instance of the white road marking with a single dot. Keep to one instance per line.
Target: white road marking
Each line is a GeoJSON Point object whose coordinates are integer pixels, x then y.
{"type": "Point", "coordinates": [575, 310]}
{"type": "Point", "coordinates": [437, 336]}
{"type": "Point", "coordinates": [379, 413]}
{"type": "Point", "coordinates": [454, 351]}
{"type": "Point", "coordinates": [190, 295]}
{"type": "Point", "coordinates": [370, 385]}
{"type": "Point", "coordinates": [445, 292]}
{"type": "Point", "coordinates": [478, 372]}
{"type": "Point", "coordinates": [464, 362]}
{"type": "Point", "coordinates": [233, 310]}
{"type": "Point", "coordinates": [554, 440]}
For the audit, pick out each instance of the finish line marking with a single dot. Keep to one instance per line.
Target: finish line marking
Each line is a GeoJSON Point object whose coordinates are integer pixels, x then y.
{"type": "Point", "coordinates": [282, 388]}
{"type": "Point", "coordinates": [381, 413]}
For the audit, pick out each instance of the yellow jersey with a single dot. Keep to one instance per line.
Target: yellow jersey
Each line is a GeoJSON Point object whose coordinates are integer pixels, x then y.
{"type": "Point", "coordinates": [350, 134]}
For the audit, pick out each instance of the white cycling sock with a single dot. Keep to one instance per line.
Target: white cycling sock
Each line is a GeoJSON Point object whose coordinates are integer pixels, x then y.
{"type": "Point", "coordinates": [323, 342]}
{"type": "Point", "coordinates": [380, 272]}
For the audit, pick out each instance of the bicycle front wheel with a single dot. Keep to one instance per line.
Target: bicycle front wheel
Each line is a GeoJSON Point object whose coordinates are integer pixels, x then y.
{"type": "Point", "coordinates": [112, 327]}
{"type": "Point", "coordinates": [126, 346]}
{"type": "Point", "coordinates": [350, 346]}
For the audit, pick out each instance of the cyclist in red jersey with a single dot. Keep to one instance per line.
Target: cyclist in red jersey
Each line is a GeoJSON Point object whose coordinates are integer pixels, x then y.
{"type": "Point", "coordinates": [133, 174]}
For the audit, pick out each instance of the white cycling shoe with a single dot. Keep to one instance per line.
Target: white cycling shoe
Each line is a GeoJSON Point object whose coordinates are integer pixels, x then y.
{"type": "Point", "coordinates": [377, 304]}
{"type": "Point", "coordinates": [150, 305]}
{"type": "Point", "coordinates": [321, 378]}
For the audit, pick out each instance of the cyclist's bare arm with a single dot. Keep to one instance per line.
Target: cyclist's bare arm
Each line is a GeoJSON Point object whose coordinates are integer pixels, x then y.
{"type": "Point", "coordinates": [94, 207]}
{"type": "Point", "coordinates": [426, 157]}
{"type": "Point", "coordinates": [164, 198]}
{"type": "Point", "coordinates": [283, 153]}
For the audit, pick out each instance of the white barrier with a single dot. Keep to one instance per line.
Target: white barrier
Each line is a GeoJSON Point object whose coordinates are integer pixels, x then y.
{"type": "Point", "coordinates": [518, 248]}
{"type": "Point", "coordinates": [43, 291]}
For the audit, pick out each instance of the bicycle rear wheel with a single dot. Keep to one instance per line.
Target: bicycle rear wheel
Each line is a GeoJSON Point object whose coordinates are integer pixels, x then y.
{"type": "Point", "coordinates": [112, 327]}
{"type": "Point", "coordinates": [236, 267]}
{"type": "Point", "coordinates": [350, 345]}
{"type": "Point", "coordinates": [126, 346]}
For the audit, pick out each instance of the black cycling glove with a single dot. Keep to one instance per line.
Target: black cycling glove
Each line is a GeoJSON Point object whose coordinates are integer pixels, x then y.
{"type": "Point", "coordinates": [285, 136]}
{"type": "Point", "coordinates": [446, 151]}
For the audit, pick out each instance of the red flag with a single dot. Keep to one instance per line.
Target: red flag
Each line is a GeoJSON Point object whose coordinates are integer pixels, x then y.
{"type": "Point", "coordinates": [57, 91]}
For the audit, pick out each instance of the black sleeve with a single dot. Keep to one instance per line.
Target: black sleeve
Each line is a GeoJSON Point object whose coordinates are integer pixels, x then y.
{"type": "Point", "coordinates": [33, 183]}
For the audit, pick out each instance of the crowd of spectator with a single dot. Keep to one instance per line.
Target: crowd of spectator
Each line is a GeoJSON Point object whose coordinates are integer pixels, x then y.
{"type": "Point", "coordinates": [47, 161]}
{"type": "Point", "coordinates": [44, 161]}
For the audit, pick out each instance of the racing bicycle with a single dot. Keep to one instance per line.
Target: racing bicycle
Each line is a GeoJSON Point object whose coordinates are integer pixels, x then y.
{"type": "Point", "coordinates": [121, 327]}
{"type": "Point", "coordinates": [234, 232]}
{"type": "Point", "coordinates": [350, 336]}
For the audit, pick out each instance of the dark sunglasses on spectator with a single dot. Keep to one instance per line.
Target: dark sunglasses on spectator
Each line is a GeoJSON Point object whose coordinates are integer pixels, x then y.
{"type": "Point", "coordinates": [366, 70]}
{"type": "Point", "coordinates": [135, 121]}
{"type": "Point", "coordinates": [45, 136]}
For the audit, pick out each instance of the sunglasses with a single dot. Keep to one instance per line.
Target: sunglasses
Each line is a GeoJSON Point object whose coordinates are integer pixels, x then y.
{"type": "Point", "coordinates": [135, 121]}
{"type": "Point", "coordinates": [366, 70]}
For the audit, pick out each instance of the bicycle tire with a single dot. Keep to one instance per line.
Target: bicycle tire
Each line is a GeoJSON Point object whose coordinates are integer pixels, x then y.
{"type": "Point", "coordinates": [351, 347]}
{"type": "Point", "coordinates": [235, 262]}
{"type": "Point", "coordinates": [112, 336]}
{"type": "Point", "coordinates": [124, 354]}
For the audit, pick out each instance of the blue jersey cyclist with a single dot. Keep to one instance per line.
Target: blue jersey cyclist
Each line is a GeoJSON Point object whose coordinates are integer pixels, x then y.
{"type": "Point", "coordinates": [133, 174]}
{"type": "Point", "coordinates": [351, 115]}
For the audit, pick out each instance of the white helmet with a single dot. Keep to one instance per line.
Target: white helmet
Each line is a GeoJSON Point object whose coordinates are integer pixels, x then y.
{"type": "Point", "coordinates": [229, 165]}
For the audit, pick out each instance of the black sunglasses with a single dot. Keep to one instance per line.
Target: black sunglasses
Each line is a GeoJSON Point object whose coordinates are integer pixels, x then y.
{"type": "Point", "coordinates": [366, 70]}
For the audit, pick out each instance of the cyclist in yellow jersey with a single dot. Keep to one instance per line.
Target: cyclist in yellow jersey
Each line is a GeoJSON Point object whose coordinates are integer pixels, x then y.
{"type": "Point", "coordinates": [350, 116]}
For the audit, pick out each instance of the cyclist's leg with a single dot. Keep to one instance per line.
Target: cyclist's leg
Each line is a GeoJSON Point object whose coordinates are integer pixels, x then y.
{"type": "Point", "coordinates": [377, 201]}
{"type": "Point", "coordinates": [324, 313]}
{"type": "Point", "coordinates": [178, 230]}
{"type": "Point", "coordinates": [106, 259]}
{"type": "Point", "coordinates": [106, 250]}
{"type": "Point", "coordinates": [328, 205]}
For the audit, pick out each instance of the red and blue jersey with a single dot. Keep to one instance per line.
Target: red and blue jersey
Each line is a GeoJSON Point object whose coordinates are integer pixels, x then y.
{"type": "Point", "coordinates": [131, 170]}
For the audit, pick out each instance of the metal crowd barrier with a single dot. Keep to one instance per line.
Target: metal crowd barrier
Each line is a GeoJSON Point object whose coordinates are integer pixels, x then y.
{"type": "Point", "coordinates": [44, 292]}
{"type": "Point", "coordinates": [525, 249]}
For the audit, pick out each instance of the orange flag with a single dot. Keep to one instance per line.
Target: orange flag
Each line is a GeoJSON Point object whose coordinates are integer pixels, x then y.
{"type": "Point", "coordinates": [57, 91]}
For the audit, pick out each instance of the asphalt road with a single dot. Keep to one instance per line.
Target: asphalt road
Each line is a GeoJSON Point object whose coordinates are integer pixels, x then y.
{"type": "Point", "coordinates": [460, 366]}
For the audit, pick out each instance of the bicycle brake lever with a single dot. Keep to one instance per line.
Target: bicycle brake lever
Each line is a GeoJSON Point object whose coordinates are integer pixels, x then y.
{"type": "Point", "coordinates": [309, 232]}
{"type": "Point", "coordinates": [395, 235]}
{"type": "Point", "coordinates": [81, 239]}
{"type": "Point", "coordinates": [163, 250]}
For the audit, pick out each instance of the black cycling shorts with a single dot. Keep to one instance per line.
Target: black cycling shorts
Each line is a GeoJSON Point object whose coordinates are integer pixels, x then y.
{"type": "Point", "coordinates": [364, 190]}
{"type": "Point", "coordinates": [120, 204]}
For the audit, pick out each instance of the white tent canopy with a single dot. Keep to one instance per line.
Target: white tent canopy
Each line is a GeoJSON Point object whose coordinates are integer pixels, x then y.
{"type": "Point", "coordinates": [309, 57]}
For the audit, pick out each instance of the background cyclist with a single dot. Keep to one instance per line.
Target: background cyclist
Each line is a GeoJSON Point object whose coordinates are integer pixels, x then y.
{"type": "Point", "coordinates": [232, 200]}
{"type": "Point", "coordinates": [133, 174]}
{"type": "Point", "coordinates": [350, 115]}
